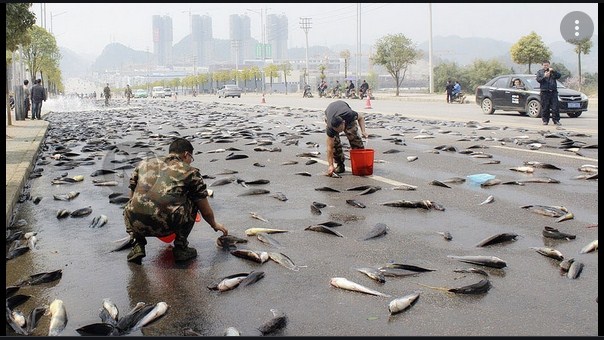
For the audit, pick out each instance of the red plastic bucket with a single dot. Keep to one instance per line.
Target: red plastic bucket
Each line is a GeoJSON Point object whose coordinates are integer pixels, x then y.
{"type": "Point", "coordinates": [362, 161]}
{"type": "Point", "coordinates": [172, 237]}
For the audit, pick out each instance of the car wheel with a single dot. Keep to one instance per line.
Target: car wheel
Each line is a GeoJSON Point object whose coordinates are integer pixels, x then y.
{"type": "Point", "coordinates": [533, 109]}
{"type": "Point", "coordinates": [487, 106]}
{"type": "Point", "coordinates": [574, 114]}
{"type": "Point", "coordinates": [239, 96]}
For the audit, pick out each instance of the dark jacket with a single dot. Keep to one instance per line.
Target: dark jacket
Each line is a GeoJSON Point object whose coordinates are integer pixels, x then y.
{"type": "Point", "coordinates": [38, 93]}
{"type": "Point", "coordinates": [548, 83]}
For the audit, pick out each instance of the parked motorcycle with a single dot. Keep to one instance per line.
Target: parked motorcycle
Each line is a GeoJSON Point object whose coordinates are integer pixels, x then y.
{"type": "Point", "coordinates": [459, 98]}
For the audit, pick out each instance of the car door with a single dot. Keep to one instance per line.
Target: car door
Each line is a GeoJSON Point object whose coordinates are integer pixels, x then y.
{"type": "Point", "coordinates": [501, 94]}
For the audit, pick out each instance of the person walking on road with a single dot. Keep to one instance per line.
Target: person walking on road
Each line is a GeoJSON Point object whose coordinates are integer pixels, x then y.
{"type": "Point", "coordinates": [339, 117]}
{"type": "Point", "coordinates": [26, 98]}
{"type": "Point", "coordinates": [165, 195]}
{"type": "Point", "coordinates": [548, 79]}
{"type": "Point", "coordinates": [38, 95]}
{"type": "Point", "coordinates": [107, 94]}
{"type": "Point", "coordinates": [128, 94]}
{"type": "Point", "coordinates": [449, 90]}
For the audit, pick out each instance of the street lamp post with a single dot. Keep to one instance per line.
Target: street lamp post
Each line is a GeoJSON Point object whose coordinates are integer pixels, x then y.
{"type": "Point", "coordinates": [52, 16]}
{"type": "Point", "coordinates": [305, 24]}
{"type": "Point", "coordinates": [263, 48]}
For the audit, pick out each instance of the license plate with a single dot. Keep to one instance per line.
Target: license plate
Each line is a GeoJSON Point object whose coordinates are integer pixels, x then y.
{"type": "Point", "coordinates": [574, 105]}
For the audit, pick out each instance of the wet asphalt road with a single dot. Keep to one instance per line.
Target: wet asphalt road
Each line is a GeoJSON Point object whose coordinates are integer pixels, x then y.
{"type": "Point", "coordinates": [528, 297]}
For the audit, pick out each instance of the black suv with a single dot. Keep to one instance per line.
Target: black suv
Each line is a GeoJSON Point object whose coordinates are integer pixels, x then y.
{"type": "Point", "coordinates": [500, 93]}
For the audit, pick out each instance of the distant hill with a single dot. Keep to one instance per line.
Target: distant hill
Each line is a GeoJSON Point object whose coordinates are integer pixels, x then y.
{"type": "Point", "coordinates": [462, 51]}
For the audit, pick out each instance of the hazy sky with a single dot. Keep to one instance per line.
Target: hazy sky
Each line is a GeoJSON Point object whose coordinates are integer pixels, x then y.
{"type": "Point", "coordinates": [88, 28]}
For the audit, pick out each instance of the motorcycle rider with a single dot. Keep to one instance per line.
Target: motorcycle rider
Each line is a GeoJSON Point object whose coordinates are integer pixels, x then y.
{"type": "Point", "coordinates": [337, 90]}
{"type": "Point", "coordinates": [307, 91]}
{"type": "Point", "coordinates": [350, 89]}
{"type": "Point", "coordinates": [456, 90]}
{"type": "Point", "coordinates": [363, 88]}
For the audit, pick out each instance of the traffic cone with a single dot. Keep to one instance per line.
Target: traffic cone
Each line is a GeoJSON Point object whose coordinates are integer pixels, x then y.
{"type": "Point", "coordinates": [368, 103]}
{"type": "Point", "coordinates": [263, 100]}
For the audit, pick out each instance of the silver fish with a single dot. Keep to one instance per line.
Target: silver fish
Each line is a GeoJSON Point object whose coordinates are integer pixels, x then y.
{"type": "Point", "coordinates": [254, 191]}
{"type": "Point", "coordinates": [344, 283]}
{"type": "Point", "coordinates": [356, 203]}
{"type": "Point", "coordinates": [228, 282]}
{"type": "Point", "coordinates": [231, 331]}
{"type": "Point", "coordinates": [266, 239]}
{"type": "Point", "coordinates": [99, 221]}
{"type": "Point", "coordinates": [81, 212]}
{"type": "Point", "coordinates": [565, 264]}
{"type": "Point", "coordinates": [323, 229]}
{"type": "Point", "coordinates": [489, 199]}
{"type": "Point", "coordinates": [252, 277]}
{"type": "Point", "coordinates": [471, 270]}
{"type": "Point", "coordinates": [158, 311]}
{"type": "Point", "coordinates": [488, 261]}
{"type": "Point", "coordinates": [373, 273]}
{"type": "Point", "coordinates": [588, 248]}
{"type": "Point", "coordinates": [497, 238]}
{"type": "Point", "coordinates": [58, 318]}
{"type": "Point", "coordinates": [254, 231]}
{"type": "Point", "coordinates": [549, 252]}
{"type": "Point", "coordinates": [256, 256]}
{"type": "Point", "coordinates": [283, 260]}
{"type": "Point", "coordinates": [111, 309]}
{"type": "Point", "coordinates": [402, 303]}
{"type": "Point", "coordinates": [575, 270]}
{"type": "Point", "coordinates": [379, 229]}
{"type": "Point", "coordinates": [258, 217]}
{"type": "Point", "coordinates": [404, 186]}
{"type": "Point", "coordinates": [278, 321]}
{"type": "Point", "coordinates": [66, 197]}
{"type": "Point", "coordinates": [446, 235]}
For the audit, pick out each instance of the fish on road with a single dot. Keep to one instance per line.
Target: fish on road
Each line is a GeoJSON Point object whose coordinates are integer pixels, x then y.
{"type": "Point", "coordinates": [344, 283]}
{"type": "Point", "coordinates": [402, 303]}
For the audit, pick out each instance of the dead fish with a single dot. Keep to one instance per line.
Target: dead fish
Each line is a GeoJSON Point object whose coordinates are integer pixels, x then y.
{"type": "Point", "coordinates": [33, 318]}
{"type": "Point", "coordinates": [407, 187]}
{"type": "Point", "coordinates": [258, 217]}
{"type": "Point", "coordinates": [471, 270]}
{"type": "Point", "coordinates": [446, 235]}
{"type": "Point", "coordinates": [98, 221]}
{"type": "Point", "coordinates": [128, 321]}
{"type": "Point", "coordinates": [119, 200]}
{"type": "Point", "coordinates": [356, 203]}
{"type": "Point", "coordinates": [552, 211]}
{"type": "Point", "coordinates": [525, 169]}
{"type": "Point", "coordinates": [66, 197]}
{"type": "Point", "coordinates": [439, 184]}
{"type": "Point", "coordinates": [228, 282]}
{"type": "Point", "coordinates": [229, 241]}
{"type": "Point", "coordinates": [315, 210]}
{"type": "Point", "coordinates": [257, 182]}
{"type": "Point", "coordinates": [62, 213]}
{"type": "Point", "coordinates": [266, 239]}
{"type": "Point", "coordinates": [14, 301]}
{"type": "Point", "coordinates": [223, 181]}
{"type": "Point", "coordinates": [565, 264]}
{"type": "Point", "coordinates": [490, 182]}
{"type": "Point", "coordinates": [549, 252]}
{"type": "Point", "coordinates": [105, 183]}
{"type": "Point", "coordinates": [565, 217]}
{"type": "Point", "coordinates": [497, 238]}
{"type": "Point", "coordinates": [39, 278]}
{"type": "Point", "coordinates": [277, 322]}
{"type": "Point", "coordinates": [235, 156]}
{"type": "Point", "coordinates": [98, 329]}
{"type": "Point", "coordinates": [102, 172]}
{"type": "Point", "coordinates": [409, 267]}
{"type": "Point", "coordinates": [109, 312]}
{"type": "Point", "coordinates": [536, 164]}
{"type": "Point", "coordinates": [575, 270]}
{"type": "Point", "coordinates": [493, 161]}
{"type": "Point", "coordinates": [251, 278]}
{"type": "Point", "coordinates": [280, 196]}
{"type": "Point", "coordinates": [323, 229]}
{"type": "Point", "coordinates": [588, 248]}
{"type": "Point", "coordinates": [488, 261]}
{"type": "Point", "coordinates": [397, 272]}
{"type": "Point", "coordinates": [378, 230]}
{"type": "Point", "coordinates": [58, 318]}
{"type": "Point", "coordinates": [254, 191]}
{"type": "Point", "coordinates": [255, 231]}
{"type": "Point", "coordinates": [155, 313]}
{"type": "Point", "coordinates": [330, 224]}
{"type": "Point", "coordinates": [480, 287]}
{"type": "Point", "coordinates": [539, 180]}
{"type": "Point", "coordinates": [289, 163]}
{"type": "Point", "coordinates": [303, 173]}
{"type": "Point", "coordinates": [489, 199]}
{"type": "Point", "coordinates": [125, 243]}
{"type": "Point", "coordinates": [455, 180]}
{"type": "Point", "coordinates": [256, 256]}
{"type": "Point", "coordinates": [402, 303]}
{"type": "Point", "coordinates": [554, 233]}
{"type": "Point", "coordinates": [283, 260]}
{"type": "Point", "coordinates": [327, 189]}
{"type": "Point", "coordinates": [373, 273]}
{"type": "Point", "coordinates": [319, 205]}
{"type": "Point", "coordinates": [343, 283]}
{"type": "Point", "coordinates": [232, 331]}
{"type": "Point", "coordinates": [370, 190]}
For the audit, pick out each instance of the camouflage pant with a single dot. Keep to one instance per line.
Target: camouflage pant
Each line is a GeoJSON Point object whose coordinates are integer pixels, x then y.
{"type": "Point", "coordinates": [354, 138]}
{"type": "Point", "coordinates": [140, 226]}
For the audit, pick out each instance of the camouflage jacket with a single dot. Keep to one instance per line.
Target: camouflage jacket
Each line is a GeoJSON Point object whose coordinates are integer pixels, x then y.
{"type": "Point", "coordinates": [164, 191]}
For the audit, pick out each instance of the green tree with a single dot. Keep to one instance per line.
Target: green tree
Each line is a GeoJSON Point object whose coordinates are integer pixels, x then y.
{"type": "Point", "coordinates": [530, 49]}
{"type": "Point", "coordinates": [286, 68]}
{"type": "Point", "coordinates": [479, 72]}
{"type": "Point", "coordinates": [444, 72]}
{"type": "Point", "coordinates": [271, 71]}
{"type": "Point", "coordinates": [581, 46]}
{"type": "Point", "coordinates": [564, 71]}
{"type": "Point", "coordinates": [42, 53]}
{"type": "Point", "coordinates": [395, 52]}
{"type": "Point", "coordinates": [322, 70]}
{"type": "Point", "coordinates": [346, 55]}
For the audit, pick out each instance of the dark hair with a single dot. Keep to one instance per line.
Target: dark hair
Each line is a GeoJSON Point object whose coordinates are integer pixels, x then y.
{"type": "Point", "coordinates": [545, 61]}
{"type": "Point", "coordinates": [25, 82]}
{"type": "Point", "coordinates": [180, 145]}
{"type": "Point", "coordinates": [336, 121]}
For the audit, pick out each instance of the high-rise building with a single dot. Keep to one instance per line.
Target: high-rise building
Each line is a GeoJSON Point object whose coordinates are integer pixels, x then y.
{"type": "Point", "coordinates": [276, 36]}
{"type": "Point", "coordinates": [162, 40]}
{"type": "Point", "coordinates": [240, 35]}
{"type": "Point", "coordinates": [203, 40]}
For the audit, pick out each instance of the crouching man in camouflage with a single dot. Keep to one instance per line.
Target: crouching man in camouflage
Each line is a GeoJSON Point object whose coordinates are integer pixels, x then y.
{"type": "Point", "coordinates": [165, 195]}
{"type": "Point", "coordinates": [339, 117]}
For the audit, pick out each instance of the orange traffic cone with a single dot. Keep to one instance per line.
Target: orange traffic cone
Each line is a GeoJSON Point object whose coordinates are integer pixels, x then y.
{"type": "Point", "coordinates": [263, 100]}
{"type": "Point", "coordinates": [368, 103]}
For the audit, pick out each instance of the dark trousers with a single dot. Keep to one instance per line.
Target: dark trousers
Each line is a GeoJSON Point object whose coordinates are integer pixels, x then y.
{"type": "Point", "coordinates": [26, 106]}
{"type": "Point", "coordinates": [549, 102]}
{"type": "Point", "coordinates": [36, 110]}
{"type": "Point", "coordinates": [449, 97]}
{"type": "Point", "coordinates": [354, 138]}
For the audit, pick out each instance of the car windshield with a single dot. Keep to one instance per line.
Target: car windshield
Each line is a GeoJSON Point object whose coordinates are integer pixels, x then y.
{"type": "Point", "coordinates": [535, 84]}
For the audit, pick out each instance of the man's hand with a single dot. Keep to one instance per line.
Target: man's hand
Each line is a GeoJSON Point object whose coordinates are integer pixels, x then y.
{"type": "Point", "coordinates": [220, 227]}
{"type": "Point", "coordinates": [365, 135]}
{"type": "Point", "coordinates": [330, 170]}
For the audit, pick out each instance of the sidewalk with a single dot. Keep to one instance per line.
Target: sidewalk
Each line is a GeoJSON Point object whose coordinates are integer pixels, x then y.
{"type": "Point", "coordinates": [23, 141]}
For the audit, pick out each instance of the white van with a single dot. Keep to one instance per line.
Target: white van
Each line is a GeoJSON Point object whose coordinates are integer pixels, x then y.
{"type": "Point", "coordinates": [157, 92]}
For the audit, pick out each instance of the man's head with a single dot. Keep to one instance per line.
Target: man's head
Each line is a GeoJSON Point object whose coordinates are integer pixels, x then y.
{"type": "Point", "coordinates": [545, 64]}
{"type": "Point", "coordinates": [338, 124]}
{"type": "Point", "coordinates": [183, 147]}
{"type": "Point", "coordinates": [39, 81]}
{"type": "Point", "coordinates": [25, 82]}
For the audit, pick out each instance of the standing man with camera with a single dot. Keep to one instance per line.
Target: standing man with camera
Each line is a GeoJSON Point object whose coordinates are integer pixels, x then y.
{"type": "Point", "coordinates": [548, 78]}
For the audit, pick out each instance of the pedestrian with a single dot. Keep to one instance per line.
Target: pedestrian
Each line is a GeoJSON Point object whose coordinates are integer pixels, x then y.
{"type": "Point", "coordinates": [449, 90]}
{"type": "Point", "coordinates": [26, 97]}
{"type": "Point", "coordinates": [107, 94]}
{"type": "Point", "coordinates": [165, 195]}
{"type": "Point", "coordinates": [548, 80]}
{"type": "Point", "coordinates": [364, 87]}
{"type": "Point", "coordinates": [339, 117]}
{"type": "Point", "coordinates": [128, 94]}
{"type": "Point", "coordinates": [38, 95]}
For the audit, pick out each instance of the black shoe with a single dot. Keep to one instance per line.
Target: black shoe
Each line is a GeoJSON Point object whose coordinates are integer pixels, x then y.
{"type": "Point", "coordinates": [557, 123]}
{"type": "Point", "coordinates": [340, 168]}
{"type": "Point", "coordinates": [136, 254]}
{"type": "Point", "coordinates": [184, 254]}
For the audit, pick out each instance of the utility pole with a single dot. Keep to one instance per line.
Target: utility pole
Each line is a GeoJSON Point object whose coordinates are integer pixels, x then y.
{"type": "Point", "coordinates": [430, 51]}
{"type": "Point", "coordinates": [358, 61]}
{"type": "Point", "coordinates": [305, 25]}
